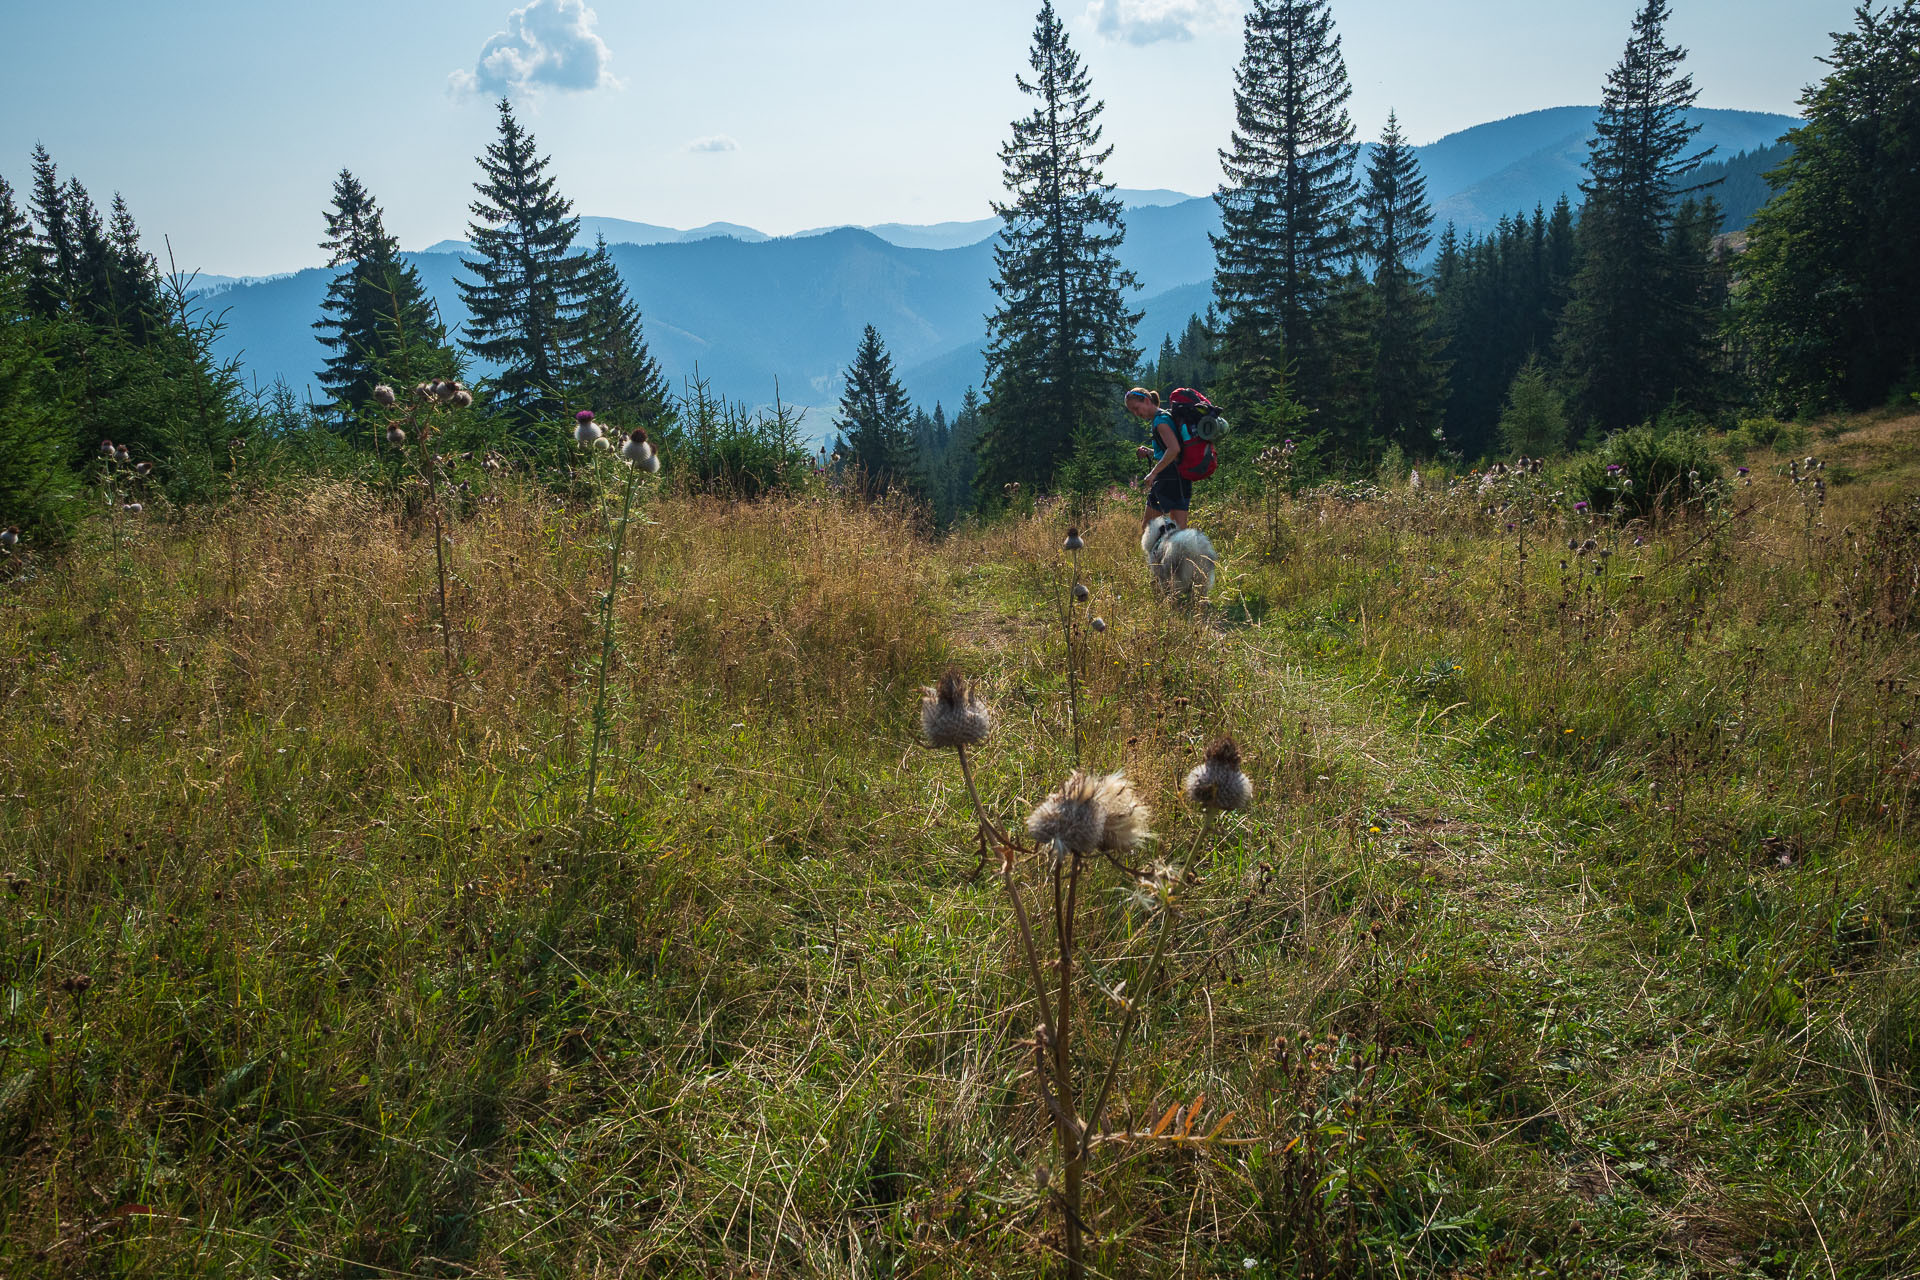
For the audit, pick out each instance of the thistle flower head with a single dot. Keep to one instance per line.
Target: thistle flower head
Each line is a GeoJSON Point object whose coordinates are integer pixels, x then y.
{"type": "Point", "coordinates": [121, 454]}
{"type": "Point", "coordinates": [1098, 625]}
{"type": "Point", "coordinates": [1074, 541]}
{"type": "Point", "coordinates": [106, 447]}
{"type": "Point", "coordinates": [637, 449]}
{"type": "Point", "coordinates": [1090, 814]}
{"type": "Point", "coordinates": [10, 535]}
{"type": "Point", "coordinates": [586, 433]}
{"type": "Point", "coordinates": [652, 464]}
{"type": "Point", "coordinates": [134, 508]}
{"type": "Point", "coordinates": [383, 395]}
{"type": "Point", "coordinates": [395, 436]}
{"type": "Point", "coordinates": [1217, 782]}
{"type": "Point", "coordinates": [462, 398]}
{"type": "Point", "coordinates": [952, 715]}
{"type": "Point", "coordinates": [1080, 592]}
{"type": "Point", "coordinates": [143, 468]}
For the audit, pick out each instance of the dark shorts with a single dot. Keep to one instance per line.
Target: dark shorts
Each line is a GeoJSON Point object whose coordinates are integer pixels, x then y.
{"type": "Point", "coordinates": [1171, 492]}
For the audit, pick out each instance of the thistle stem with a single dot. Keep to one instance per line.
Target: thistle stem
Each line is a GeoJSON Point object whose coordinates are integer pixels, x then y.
{"type": "Point", "coordinates": [1126, 1029]}
{"type": "Point", "coordinates": [606, 646]}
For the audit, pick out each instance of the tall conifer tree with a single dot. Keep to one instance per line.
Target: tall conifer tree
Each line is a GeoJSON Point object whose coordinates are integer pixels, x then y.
{"type": "Point", "coordinates": [1286, 209]}
{"type": "Point", "coordinates": [1061, 342]}
{"type": "Point", "coordinates": [1634, 332]}
{"type": "Point", "coordinates": [1833, 266]}
{"type": "Point", "coordinates": [377, 319]}
{"type": "Point", "coordinates": [528, 300]}
{"type": "Point", "coordinates": [50, 273]}
{"type": "Point", "coordinates": [876, 419]}
{"type": "Point", "coordinates": [16, 234]}
{"type": "Point", "coordinates": [617, 374]}
{"type": "Point", "coordinates": [1407, 381]}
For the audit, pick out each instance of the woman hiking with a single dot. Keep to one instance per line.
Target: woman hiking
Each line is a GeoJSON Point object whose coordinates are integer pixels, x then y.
{"type": "Point", "coordinates": [1168, 493]}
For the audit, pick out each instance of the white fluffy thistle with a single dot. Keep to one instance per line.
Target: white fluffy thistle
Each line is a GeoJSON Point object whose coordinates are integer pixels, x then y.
{"type": "Point", "coordinates": [1092, 814]}
{"type": "Point", "coordinates": [1217, 782]}
{"type": "Point", "coordinates": [952, 715]}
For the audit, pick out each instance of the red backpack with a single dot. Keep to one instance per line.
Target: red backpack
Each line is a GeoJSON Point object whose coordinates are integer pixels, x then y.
{"type": "Point", "coordinates": [1192, 413]}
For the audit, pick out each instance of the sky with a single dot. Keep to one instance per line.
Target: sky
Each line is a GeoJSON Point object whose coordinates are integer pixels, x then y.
{"type": "Point", "coordinates": [223, 122]}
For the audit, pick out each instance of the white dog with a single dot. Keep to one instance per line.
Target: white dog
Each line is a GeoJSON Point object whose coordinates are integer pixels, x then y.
{"type": "Point", "coordinates": [1182, 560]}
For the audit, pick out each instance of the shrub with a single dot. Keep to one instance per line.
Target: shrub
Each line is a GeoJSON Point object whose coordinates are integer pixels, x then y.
{"type": "Point", "coordinates": [1643, 471]}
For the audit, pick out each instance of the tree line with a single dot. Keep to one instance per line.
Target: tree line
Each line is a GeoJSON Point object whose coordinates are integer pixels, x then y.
{"type": "Point", "coordinates": [1341, 316]}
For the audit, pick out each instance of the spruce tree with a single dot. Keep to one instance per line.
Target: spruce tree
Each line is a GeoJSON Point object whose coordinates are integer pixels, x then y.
{"type": "Point", "coordinates": [1408, 386]}
{"type": "Point", "coordinates": [529, 298]}
{"type": "Point", "coordinates": [617, 375]}
{"type": "Point", "coordinates": [1634, 334]}
{"type": "Point", "coordinates": [1061, 342]}
{"type": "Point", "coordinates": [1534, 424]}
{"type": "Point", "coordinates": [376, 319]}
{"type": "Point", "coordinates": [16, 235]}
{"type": "Point", "coordinates": [1833, 265]}
{"type": "Point", "coordinates": [136, 276]}
{"type": "Point", "coordinates": [876, 420]}
{"type": "Point", "coordinates": [1286, 209]}
{"type": "Point", "coordinates": [50, 268]}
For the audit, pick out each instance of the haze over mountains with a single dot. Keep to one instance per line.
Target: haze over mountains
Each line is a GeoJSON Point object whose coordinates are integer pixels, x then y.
{"type": "Point", "coordinates": [748, 310]}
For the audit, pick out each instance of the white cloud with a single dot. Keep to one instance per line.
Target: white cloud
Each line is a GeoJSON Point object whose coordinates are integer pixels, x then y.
{"type": "Point", "coordinates": [718, 142]}
{"type": "Point", "coordinates": [549, 44]}
{"type": "Point", "coordinates": [1153, 21]}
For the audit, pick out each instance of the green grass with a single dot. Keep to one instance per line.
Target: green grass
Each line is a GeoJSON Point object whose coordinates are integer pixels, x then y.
{"type": "Point", "coordinates": [1573, 930]}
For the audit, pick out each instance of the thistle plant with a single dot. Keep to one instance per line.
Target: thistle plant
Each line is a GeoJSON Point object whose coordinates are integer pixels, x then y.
{"type": "Point", "coordinates": [1070, 605]}
{"type": "Point", "coordinates": [422, 418]}
{"type": "Point", "coordinates": [1088, 820]}
{"type": "Point", "coordinates": [638, 458]}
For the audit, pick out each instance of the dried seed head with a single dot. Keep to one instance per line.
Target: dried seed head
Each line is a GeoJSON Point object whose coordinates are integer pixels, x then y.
{"type": "Point", "coordinates": [952, 715]}
{"type": "Point", "coordinates": [1091, 814]}
{"type": "Point", "coordinates": [462, 398]}
{"type": "Point", "coordinates": [383, 395]}
{"type": "Point", "coordinates": [652, 465]}
{"type": "Point", "coordinates": [1098, 625]}
{"type": "Point", "coordinates": [134, 508]}
{"type": "Point", "coordinates": [120, 454]}
{"type": "Point", "coordinates": [106, 447]}
{"type": "Point", "coordinates": [1074, 541]}
{"type": "Point", "coordinates": [1217, 782]}
{"type": "Point", "coordinates": [586, 432]}
{"type": "Point", "coordinates": [1080, 592]}
{"type": "Point", "coordinates": [10, 536]}
{"type": "Point", "coordinates": [395, 436]}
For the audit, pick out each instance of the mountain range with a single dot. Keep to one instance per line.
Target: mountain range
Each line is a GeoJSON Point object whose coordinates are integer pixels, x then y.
{"type": "Point", "coordinates": [748, 310]}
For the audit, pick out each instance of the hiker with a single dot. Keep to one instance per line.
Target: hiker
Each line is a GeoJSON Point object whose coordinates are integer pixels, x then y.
{"type": "Point", "coordinates": [1168, 493]}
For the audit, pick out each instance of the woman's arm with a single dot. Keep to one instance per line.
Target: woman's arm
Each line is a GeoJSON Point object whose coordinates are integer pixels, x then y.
{"type": "Point", "coordinates": [1171, 439]}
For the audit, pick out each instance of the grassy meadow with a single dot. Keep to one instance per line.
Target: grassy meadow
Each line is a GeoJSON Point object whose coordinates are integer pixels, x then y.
{"type": "Point", "coordinates": [1574, 930]}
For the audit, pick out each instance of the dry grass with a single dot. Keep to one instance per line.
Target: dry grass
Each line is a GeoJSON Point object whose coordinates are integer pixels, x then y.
{"type": "Point", "coordinates": [294, 980]}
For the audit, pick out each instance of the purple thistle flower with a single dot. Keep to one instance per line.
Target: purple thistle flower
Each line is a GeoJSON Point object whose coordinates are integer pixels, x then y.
{"type": "Point", "coordinates": [1580, 505]}
{"type": "Point", "coordinates": [585, 415]}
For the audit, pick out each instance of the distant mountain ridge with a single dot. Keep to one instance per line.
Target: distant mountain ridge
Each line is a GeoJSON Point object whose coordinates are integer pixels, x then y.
{"type": "Point", "coordinates": [748, 309]}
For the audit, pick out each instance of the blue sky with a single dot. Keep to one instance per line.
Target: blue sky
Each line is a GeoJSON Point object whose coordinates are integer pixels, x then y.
{"type": "Point", "coordinates": [224, 121]}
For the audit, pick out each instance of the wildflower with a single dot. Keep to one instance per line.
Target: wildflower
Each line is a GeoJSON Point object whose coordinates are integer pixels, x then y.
{"type": "Point", "coordinates": [106, 447]}
{"type": "Point", "coordinates": [1217, 782]}
{"type": "Point", "coordinates": [395, 436]}
{"type": "Point", "coordinates": [462, 398]}
{"type": "Point", "coordinates": [1157, 887]}
{"type": "Point", "coordinates": [951, 715]}
{"type": "Point", "coordinates": [120, 454]}
{"type": "Point", "coordinates": [1413, 481]}
{"type": "Point", "coordinates": [1098, 625]}
{"type": "Point", "coordinates": [586, 432]}
{"type": "Point", "coordinates": [636, 449]}
{"type": "Point", "coordinates": [383, 395]}
{"type": "Point", "coordinates": [601, 442]}
{"type": "Point", "coordinates": [10, 536]}
{"type": "Point", "coordinates": [133, 508]}
{"type": "Point", "coordinates": [1614, 468]}
{"type": "Point", "coordinates": [1080, 592]}
{"type": "Point", "coordinates": [652, 465]}
{"type": "Point", "coordinates": [1074, 541]}
{"type": "Point", "coordinates": [1743, 471]}
{"type": "Point", "coordinates": [1580, 505]}
{"type": "Point", "coordinates": [143, 468]}
{"type": "Point", "coordinates": [1091, 814]}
